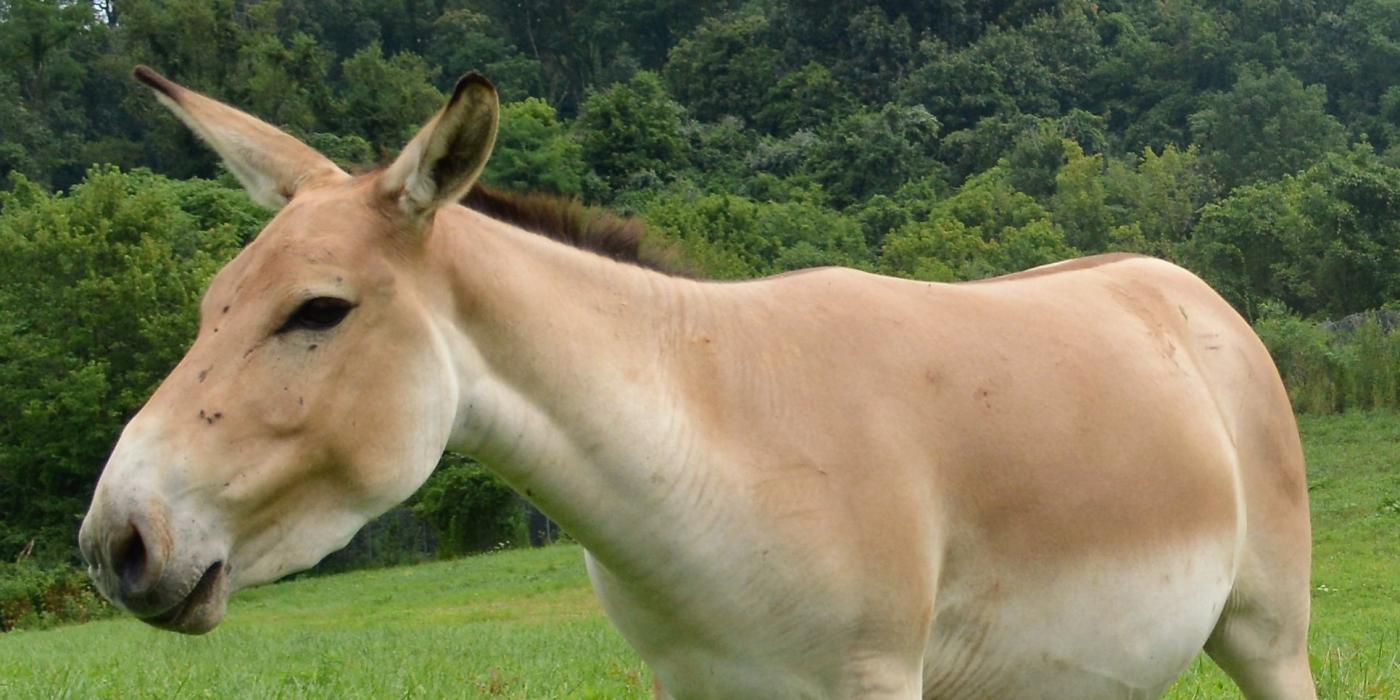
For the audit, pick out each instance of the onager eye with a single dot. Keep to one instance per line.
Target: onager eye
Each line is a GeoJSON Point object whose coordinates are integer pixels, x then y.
{"type": "Point", "coordinates": [319, 314]}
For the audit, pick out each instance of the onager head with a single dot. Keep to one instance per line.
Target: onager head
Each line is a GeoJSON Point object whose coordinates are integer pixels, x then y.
{"type": "Point", "coordinates": [319, 391]}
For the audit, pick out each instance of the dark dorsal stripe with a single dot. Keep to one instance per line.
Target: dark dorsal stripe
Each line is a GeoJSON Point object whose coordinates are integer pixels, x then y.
{"type": "Point", "coordinates": [568, 221]}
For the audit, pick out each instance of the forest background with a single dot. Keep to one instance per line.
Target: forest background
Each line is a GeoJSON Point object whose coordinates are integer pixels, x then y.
{"type": "Point", "coordinates": [1255, 142]}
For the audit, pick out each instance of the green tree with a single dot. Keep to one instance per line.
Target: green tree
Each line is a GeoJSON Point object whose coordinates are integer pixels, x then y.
{"type": "Point", "coordinates": [469, 508]}
{"type": "Point", "coordinates": [26, 142]}
{"type": "Point", "coordinates": [804, 99]}
{"type": "Point", "coordinates": [1241, 245]}
{"type": "Point", "coordinates": [986, 228]}
{"type": "Point", "coordinates": [1035, 158]}
{"type": "Point", "coordinates": [878, 49]}
{"type": "Point", "coordinates": [44, 51]}
{"type": "Point", "coordinates": [734, 237]}
{"type": "Point", "coordinates": [824, 22]}
{"type": "Point", "coordinates": [194, 40]}
{"type": "Point", "coordinates": [464, 40]}
{"type": "Point", "coordinates": [287, 84]}
{"type": "Point", "coordinates": [98, 302]}
{"type": "Point", "coordinates": [633, 129]}
{"type": "Point", "coordinates": [1351, 48]}
{"type": "Point", "coordinates": [386, 100]}
{"type": "Point", "coordinates": [1268, 125]}
{"type": "Point", "coordinates": [872, 152]}
{"type": "Point", "coordinates": [990, 203]}
{"type": "Point", "coordinates": [583, 44]}
{"type": "Point", "coordinates": [37, 42]}
{"type": "Point", "coordinates": [880, 215]}
{"type": "Point", "coordinates": [724, 68]}
{"type": "Point", "coordinates": [1041, 69]}
{"type": "Point", "coordinates": [1162, 194]}
{"type": "Point", "coordinates": [719, 155]}
{"type": "Point", "coordinates": [1164, 56]}
{"type": "Point", "coordinates": [944, 250]}
{"type": "Point", "coordinates": [535, 152]}
{"type": "Point", "coordinates": [1080, 205]}
{"type": "Point", "coordinates": [1324, 242]}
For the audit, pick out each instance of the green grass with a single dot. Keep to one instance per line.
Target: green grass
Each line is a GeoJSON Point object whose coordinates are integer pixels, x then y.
{"type": "Point", "coordinates": [520, 624]}
{"type": "Point", "coordinates": [525, 625]}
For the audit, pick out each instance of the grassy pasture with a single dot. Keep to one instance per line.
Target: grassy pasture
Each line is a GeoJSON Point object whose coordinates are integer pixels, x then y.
{"type": "Point", "coordinates": [525, 625]}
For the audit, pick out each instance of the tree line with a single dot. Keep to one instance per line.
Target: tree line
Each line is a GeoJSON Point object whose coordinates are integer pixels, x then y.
{"type": "Point", "coordinates": [1256, 143]}
{"type": "Point", "coordinates": [944, 140]}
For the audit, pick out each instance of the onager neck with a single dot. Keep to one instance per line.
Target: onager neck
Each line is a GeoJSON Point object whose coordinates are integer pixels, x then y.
{"type": "Point", "coordinates": [566, 366]}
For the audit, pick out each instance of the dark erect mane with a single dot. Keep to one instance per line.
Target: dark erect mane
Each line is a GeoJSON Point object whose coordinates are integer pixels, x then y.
{"type": "Point", "coordinates": [568, 221]}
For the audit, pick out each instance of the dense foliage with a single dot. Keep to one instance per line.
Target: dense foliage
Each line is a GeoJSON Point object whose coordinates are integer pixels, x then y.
{"type": "Point", "coordinates": [1256, 143]}
{"type": "Point", "coordinates": [1353, 364]}
{"type": "Point", "coordinates": [1250, 141]}
{"type": "Point", "coordinates": [35, 596]}
{"type": "Point", "coordinates": [98, 303]}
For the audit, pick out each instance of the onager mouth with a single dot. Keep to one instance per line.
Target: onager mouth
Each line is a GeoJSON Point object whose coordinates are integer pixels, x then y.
{"type": "Point", "coordinates": [202, 608]}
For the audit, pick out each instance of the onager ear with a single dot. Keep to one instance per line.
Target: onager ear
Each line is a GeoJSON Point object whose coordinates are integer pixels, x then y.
{"type": "Point", "coordinates": [270, 163]}
{"type": "Point", "coordinates": [440, 164]}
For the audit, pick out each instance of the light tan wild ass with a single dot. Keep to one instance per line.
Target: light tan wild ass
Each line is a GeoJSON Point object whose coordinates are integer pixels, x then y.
{"type": "Point", "coordinates": [1059, 484]}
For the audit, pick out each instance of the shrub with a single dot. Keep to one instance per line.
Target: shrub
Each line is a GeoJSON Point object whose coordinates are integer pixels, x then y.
{"type": "Point", "coordinates": [1372, 368]}
{"type": "Point", "coordinates": [99, 289]}
{"type": "Point", "coordinates": [469, 508]}
{"type": "Point", "coordinates": [36, 596]}
{"type": "Point", "coordinates": [1354, 366]}
{"type": "Point", "coordinates": [1302, 351]}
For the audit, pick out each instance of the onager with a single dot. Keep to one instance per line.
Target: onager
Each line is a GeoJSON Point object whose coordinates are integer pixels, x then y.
{"type": "Point", "coordinates": [1063, 483]}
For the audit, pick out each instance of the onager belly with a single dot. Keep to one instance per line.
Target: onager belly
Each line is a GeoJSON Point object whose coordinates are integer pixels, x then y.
{"type": "Point", "coordinates": [1106, 628]}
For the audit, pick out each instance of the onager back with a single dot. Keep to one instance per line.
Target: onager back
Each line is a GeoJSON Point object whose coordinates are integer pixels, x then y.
{"type": "Point", "coordinates": [1059, 484]}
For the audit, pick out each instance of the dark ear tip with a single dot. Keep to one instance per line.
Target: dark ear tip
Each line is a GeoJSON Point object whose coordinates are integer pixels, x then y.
{"type": "Point", "coordinates": [472, 79]}
{"type": "Point", "coordinates": [153, 80]}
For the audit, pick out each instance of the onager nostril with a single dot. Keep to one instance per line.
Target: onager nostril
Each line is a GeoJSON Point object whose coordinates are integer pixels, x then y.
{"type": "Point", "coordinates": [129, 560]}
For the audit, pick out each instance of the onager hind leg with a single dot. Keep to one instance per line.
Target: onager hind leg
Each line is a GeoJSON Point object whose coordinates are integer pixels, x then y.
{"type": "Point", "coordinates": [1261, 636]}
{"type": "Point", "coordinates": [1263, 671]}
{"type": "Point", "coordinates": [1261, 639]}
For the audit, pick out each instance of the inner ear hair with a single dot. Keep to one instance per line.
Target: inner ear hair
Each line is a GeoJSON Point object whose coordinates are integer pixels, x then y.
{"type": "Point", "coordinates": [448, 154]}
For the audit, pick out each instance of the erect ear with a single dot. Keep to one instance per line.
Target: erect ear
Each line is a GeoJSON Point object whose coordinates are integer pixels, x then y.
{"type": "Point", "coordinates": [270, 163]}
{"type": "Point", "coordinates": [440, 164]}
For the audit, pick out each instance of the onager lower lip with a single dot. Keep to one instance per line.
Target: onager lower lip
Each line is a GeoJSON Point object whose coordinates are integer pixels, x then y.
{"type": "Point", "coordinates": [197, 595]}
